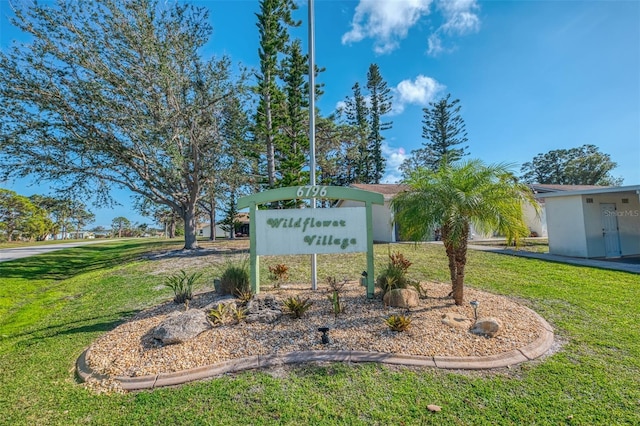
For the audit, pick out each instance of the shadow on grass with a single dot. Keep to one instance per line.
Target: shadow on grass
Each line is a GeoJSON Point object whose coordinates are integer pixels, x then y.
{"type": "Point", "coordinates": [85, 325]}
{"type": "Point", "coordinates": [201, 252]}
{"type": "Point", "coordinates": [67, 263]}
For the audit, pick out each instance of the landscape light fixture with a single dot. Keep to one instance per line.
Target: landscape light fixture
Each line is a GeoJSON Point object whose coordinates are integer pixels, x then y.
{"type": "Point", "coordinates": [325, 336]}
{"type": "Point", "coordinates": [474, 304]}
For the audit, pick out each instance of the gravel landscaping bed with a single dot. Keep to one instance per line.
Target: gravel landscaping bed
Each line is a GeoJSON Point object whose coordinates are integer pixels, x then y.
{"type": "Point", "coordinates": [130, 350]}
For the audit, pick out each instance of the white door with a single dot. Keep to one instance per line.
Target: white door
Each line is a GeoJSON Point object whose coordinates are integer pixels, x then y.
{"type": "Point", "coordinates": [610, 230]}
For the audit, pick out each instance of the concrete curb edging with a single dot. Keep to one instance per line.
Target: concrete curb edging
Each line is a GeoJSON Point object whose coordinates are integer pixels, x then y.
{"type": "Point", "coordinates": [529, 352]}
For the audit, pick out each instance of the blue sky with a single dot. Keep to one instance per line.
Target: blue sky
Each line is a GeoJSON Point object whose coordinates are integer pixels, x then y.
{"type": "Point", "coordinates": [531, 76]}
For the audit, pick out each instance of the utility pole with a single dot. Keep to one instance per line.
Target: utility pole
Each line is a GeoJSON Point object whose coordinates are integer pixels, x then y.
{"type": "Point", "coordinates": [312, 128]}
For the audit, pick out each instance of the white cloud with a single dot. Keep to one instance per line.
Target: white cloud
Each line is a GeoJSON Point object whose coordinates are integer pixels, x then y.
{"type": "Point", "coordinates": [395, 157]}
{"type": "Point", "coordinates": [459, 15]}
{"type": "Point", "coordinates": [420, 91]}
{"type": "Point", "coordinates": [435, 44]}
{"type": "Point", "coordinates": [385, 21]}
{"type": "Point", "coordinates": [459, 19]}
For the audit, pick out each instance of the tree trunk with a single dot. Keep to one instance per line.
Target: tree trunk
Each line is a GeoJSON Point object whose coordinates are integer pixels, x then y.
{"type": "Point", "coordinates": [458, 286]}
{"type": "Point", "coordinates": [172, 228]}
{"type": "Point", "coordinates": [460, 261]}
{"type": "Point", "coordinates": [452, 265]}
{"type": "Point", "coordinates": [448, 246]}
{"type": "Point", "coordinates": [271, 153]}
{"type": "Point", "coordinates": [212, 222]}
{"type": "Point", "coordinates": [190, 239]}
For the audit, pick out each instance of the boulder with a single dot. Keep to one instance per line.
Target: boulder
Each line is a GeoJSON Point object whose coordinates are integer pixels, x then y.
{"type": "Point", "coordinates": [263, 309]}
{"type": "Point", "coordinates": [181, 327]}
{"type": "Point", "coordinates": [402, 298]}
{"type": "Point", "coordinates": [229, 303]}
{"type": "Point", "coordinates": [456, 320]}
{"type": "Point", "coordinates": [488, 327]}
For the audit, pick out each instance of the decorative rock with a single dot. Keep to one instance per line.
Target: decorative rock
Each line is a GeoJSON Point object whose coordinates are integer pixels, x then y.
{"type": "Point", "coordinates": [456, 320]}
{"type": "Point", "coordinates": [263, 309]}
{"type": "Point", "coordinates": [402, 298]}
{"type": "Point", "coordinates": [229, 303]}
{"type": "Point", "coordinates": [182, 327]}
{"type": "Point", "coordinates": [488, 327]}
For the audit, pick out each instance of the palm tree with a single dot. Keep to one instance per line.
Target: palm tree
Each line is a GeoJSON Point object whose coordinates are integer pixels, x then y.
{"type": "Point", "coordinates": [457, 196]}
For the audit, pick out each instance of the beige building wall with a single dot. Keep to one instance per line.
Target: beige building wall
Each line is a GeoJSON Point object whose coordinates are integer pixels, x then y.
{"type": "Point", "coordinates": [567, 235]}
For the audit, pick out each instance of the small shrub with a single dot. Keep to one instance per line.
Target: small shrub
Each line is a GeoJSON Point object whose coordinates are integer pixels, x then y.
{"type": "Point", "coordinates": [398, 322]}
{"type": "Point", "coordinates": [279, 273]}
{"type": "Point", "coordinates": [182, 285]}
{"type": "Point", "coordinates": [244, 296]}
{"type": "Point", "coordinates": [235, 278]}
{"type": "Point", "coordinates": [296, 306]}
{"type": "Point", "coordinates": [217, 315]}
{"type": "Point", "coordinates": [397, 260]}
{"type": "Point", "coordinates": [336, 286]}
{"type": "Point", "coordinates": [394, 274]}
{"type": "Point", "coordinates": [336, 306]}
{"type": "Point", "coordinates": [238, 314]}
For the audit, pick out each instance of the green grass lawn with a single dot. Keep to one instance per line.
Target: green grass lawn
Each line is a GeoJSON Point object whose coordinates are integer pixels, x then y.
{"type": "Point", "coordinates": [536, 245]}
{"type": "Point", "coordinates": [53, 306]}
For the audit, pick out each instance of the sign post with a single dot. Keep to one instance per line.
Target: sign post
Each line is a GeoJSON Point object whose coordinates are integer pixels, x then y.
{"type": "Point", "coordinates": [310, 231]}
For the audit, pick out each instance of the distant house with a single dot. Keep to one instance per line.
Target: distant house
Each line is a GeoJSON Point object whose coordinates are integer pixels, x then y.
{"type": "Point", "coordinates": [242, 229]}
{"type": "Point", "coordinates": [72, 235]}
{"type": "Point", "coordinates": [594, 221]}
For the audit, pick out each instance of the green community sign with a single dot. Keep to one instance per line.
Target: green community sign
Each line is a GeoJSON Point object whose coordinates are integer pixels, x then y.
{"type": "Point", "coordinates": [311, 230]}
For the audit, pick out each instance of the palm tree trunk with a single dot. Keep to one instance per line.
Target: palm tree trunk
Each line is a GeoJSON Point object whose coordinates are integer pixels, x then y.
{"type": "Point", "coordinates": [448, 246]}
{"type": "Point", "coordinates": [460, 262]}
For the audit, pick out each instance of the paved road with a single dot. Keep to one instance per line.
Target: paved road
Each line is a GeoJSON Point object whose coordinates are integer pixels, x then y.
{"type": "Point", "coordinates": [20, 252]}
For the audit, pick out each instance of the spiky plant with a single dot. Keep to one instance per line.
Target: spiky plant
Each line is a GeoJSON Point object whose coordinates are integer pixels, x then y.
{"type": "Point", "coordinates": [217, 315]}
{"type": "Point", "coordinates": [296, 306]}
{"type": "Point", "coordinates": [182, 285]}
{"type": "Point", "coordinates": [398, 322]}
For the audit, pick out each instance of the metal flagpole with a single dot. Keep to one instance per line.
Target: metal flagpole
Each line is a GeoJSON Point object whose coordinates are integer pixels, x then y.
{"type": "Point", "coordinates": [312, 128]}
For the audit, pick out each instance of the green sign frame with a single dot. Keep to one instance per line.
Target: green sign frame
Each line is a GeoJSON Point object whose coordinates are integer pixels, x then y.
{"type": "Point", "coordinates": [310, 192]}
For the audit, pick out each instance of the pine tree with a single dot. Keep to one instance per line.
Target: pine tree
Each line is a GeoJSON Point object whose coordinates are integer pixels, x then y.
{"type": "Point", "coordinates": [273, 20]}
{"type": "Point", "coordinates": [293, 144]}
{"type": "Point", "coordinates": [357, 163]}
{"type": "Point", "coordinates": [444, 130]}
{"type": "Point", "coordinates": [380, 105]}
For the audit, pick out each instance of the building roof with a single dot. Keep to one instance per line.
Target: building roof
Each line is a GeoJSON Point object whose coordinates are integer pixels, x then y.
{"type": "Point", "coordinates": [593, 191]}
{"type": "Point", "coordinates": [539, 188]}
{"type": "Point", "coordinates": [389, 190]}
{"type": "Point", "coordinates": [386, 189]}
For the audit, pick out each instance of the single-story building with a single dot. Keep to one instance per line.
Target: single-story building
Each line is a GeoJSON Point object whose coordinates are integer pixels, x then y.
{"type": "Point", "coordinates": [591, 223]}
{"type": "Point", "coordinates": [386, 230]}
{"type": "Point", "coordinates": [242, 229]}
{"type": "Point", "coordinates": [538, 224]}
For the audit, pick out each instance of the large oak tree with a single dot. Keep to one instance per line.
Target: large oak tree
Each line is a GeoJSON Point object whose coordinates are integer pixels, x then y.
{"type": "Point", "coordinates": [114, 93]}
{"type": "Point", "coordinates": [584, 165]}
